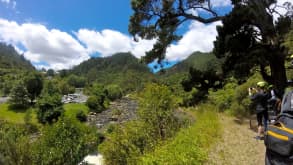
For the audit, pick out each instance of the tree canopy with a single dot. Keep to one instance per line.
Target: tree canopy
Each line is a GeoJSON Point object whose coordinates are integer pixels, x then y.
{"type": "Point", "coordinates": [160, 19]}
{"type": "Point", "coordinates": [249, 36]}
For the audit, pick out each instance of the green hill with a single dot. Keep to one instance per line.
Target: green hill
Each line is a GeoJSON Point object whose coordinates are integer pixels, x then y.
{"type": "Point", "coordinates": [13, 67]}
{"type": "Point", "coordinates": [121, 69]}
{"type": "Point", "coordinates": [119, 62]}
{"type": "Point", "coordinates": [197, 60]}
{"type": "Point", "coordinates": [10, 59]}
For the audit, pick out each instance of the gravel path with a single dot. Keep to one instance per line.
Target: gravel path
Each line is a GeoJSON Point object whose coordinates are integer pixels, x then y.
{"type": "Point", "coordinates": [237, 146]}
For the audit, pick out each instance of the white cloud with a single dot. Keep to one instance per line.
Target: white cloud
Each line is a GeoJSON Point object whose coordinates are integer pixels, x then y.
{"type": "Point", "coordinates": [5, 1]}
{"type": "Point", "coordinates": [59, 49]}
{"type": "Point", "coordinates": [108, 42]}
{"type": "Point", "coordinates": [199, 37]}
{"type": "Point", "coordinates": [8, 2]}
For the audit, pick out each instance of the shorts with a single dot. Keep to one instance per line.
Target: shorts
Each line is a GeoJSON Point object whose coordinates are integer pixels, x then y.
{"type": "Point", "coordinates": [260, 115]}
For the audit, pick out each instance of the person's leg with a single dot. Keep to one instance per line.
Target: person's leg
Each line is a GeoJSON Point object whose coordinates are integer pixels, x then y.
{"type": "Point", "coordinates": [259, 123]}
{"type": "Point", "coordinates": [266, 119]}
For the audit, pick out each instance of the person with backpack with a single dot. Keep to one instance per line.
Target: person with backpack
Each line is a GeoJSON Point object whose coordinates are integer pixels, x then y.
{"type": "Point", "coordinates": [259, 96]}
{"type": "Point", "coordinates": [279, 136]}
{"type": "Point", "coordinates": [275, 101]}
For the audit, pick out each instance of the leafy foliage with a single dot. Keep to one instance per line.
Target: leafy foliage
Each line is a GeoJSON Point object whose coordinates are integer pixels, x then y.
{"type": "Point", "coordinates": [95, 103]}
{"type": "Point", "coordinates": [19, 96]}
{"type": "Point", "coordinates": [76, 81]}
{"type": "Point", "coordinates": [49, 104]}
{"type": "Point", "coordinates": [125, 144]}
{"type": "Point", "coordinates": [34, 85]}
{"type": "Point", "coordinates": [249, 37]}
{"type": "Point", "coordinates": [64, 143]}
{"type": "Point", "coordinates": [81, 116]}
{"type": "Point", "coordinates": [161, 19]}
{"type": "Point", "coordinates": [113, 92]}
{"type": "Point", "coordinates": [14, 144]}
{"type": "Point", "coordinates": [156, 109]}
{"type": "Point", "coordinates": [190, 145]}
{"type": "Point", "coordinates": [98, 100]}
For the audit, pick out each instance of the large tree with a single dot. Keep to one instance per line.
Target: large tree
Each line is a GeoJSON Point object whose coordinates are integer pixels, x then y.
{"type": "Point", "coordinates": [34, 85]}
{"type": "Point", "coordinates": [161, 18]}
{"type": "Point", "coordinates": [250, 26]}
{"type": "Point", "coordinates": [19, 96]}
{"type": "Point", "coordinates": [250, 37]}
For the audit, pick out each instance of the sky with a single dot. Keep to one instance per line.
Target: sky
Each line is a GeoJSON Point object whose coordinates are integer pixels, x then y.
{"type": "Point", "coordinates": [60, 34]}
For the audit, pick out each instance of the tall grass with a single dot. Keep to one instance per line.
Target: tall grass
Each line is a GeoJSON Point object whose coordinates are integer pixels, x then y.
{"type": "Point", "coordinates": [16, 115]}
{"type": "Point", "coordinates": [190, 145]}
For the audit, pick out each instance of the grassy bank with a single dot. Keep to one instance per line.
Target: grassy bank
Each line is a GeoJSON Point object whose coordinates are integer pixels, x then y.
{"type": "Point", "coordinates": [17, 116]}
{"type": "Point", "coordinates": [190, 145]}
{"type": "Point", "coordinates": [73, 108]}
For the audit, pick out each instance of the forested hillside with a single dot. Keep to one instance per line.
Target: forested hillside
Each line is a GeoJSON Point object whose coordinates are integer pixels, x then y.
{"type": "Point", "coordinates": [197, 60]}
{"type": "Point", "coordinates": [121, 69]}
{"type": "Point", "coordinates": [10, 59]}
{"type": "Point", "coordinates": [12, 67]}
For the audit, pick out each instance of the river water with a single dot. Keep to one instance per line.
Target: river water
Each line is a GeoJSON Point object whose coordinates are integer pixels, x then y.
{"type": "Point", "coordinates": [93, 159]}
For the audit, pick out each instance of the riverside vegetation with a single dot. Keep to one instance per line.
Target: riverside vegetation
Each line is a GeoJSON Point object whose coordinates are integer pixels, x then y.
{"type": "Point", "coordinates": [177, 120]}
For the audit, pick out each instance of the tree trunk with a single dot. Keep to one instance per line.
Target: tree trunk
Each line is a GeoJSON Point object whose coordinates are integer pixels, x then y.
{"type": "Point", "coordinates": [278, 72]}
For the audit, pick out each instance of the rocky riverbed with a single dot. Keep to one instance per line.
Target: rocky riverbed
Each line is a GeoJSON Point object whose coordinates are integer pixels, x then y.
{"type": "Point", "coordinates": [120, 111]}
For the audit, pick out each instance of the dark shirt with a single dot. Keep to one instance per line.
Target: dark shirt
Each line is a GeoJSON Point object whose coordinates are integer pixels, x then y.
{"type": "Point", "coordinates": [260, 100]}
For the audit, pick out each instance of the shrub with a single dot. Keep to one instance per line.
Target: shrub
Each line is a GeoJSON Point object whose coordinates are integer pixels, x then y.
{"type": "Point", "coordinates": [65, 142]}
{"type": "Point", "coordinates": [49, 108]}
{"type": "Point", "coordinates": [156, 122]}
{"type": "Point", "coordinates": [190, 145]}
{"type": "Point", "coordinates": [113, 92]}
{"type": "Point", "coordinates": [156, 109]}
{"type": "Point", "coordinates": [95, 104]}
{"type": "Point", "coordinates": [81, 116]}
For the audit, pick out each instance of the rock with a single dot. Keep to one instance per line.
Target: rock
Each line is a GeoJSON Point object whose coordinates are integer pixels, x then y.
{"type": "Point", "coordinates": [125, 106]}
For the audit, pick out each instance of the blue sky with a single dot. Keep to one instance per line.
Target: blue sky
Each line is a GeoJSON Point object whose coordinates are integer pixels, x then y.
{"type": "Point", "coordinates": [62, 33]}
{"type": "Point", "coordinates": [68, 15]}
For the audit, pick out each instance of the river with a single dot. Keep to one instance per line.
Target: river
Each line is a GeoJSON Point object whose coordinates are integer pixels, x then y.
{"type": "Point", "coordinates": [93, 159]}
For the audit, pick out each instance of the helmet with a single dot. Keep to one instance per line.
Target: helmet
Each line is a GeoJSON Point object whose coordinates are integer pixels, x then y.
{"type": "Point", "coordinates": [261, 84]}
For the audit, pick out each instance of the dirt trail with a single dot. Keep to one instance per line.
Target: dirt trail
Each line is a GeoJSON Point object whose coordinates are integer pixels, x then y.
{"type": "Point", "coordinates": [237, 145]}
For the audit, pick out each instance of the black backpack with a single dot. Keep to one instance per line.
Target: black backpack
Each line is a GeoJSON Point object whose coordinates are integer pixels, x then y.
{"type": "Point", "coordinates": [279, 135]}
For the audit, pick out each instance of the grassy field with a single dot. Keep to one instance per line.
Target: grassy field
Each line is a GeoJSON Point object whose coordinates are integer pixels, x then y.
{"type": "Point", "coordinates": [17, 116]}
{"type": "Point", "coordinates": [72, 108]}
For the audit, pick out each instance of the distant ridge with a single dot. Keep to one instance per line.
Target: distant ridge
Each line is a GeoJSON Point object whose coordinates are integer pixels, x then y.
{"type": "Point", "coordinates": [197, 60]}
{"type": "Point", "coordinates": [11, 59]}
{"type": "Point", "coordinates": [119, 62]}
